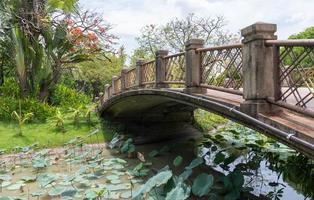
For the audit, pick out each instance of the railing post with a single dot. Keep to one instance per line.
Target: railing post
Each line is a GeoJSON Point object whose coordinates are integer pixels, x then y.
{"type": "Point", "coordinates": [193, 66]}
{"type": "Point", "coordinates": [139, 78]}
{"type": "Point", "coordinates": [114, 89]}
{"type": "Point", "coordinates": [106, 92]}
{"type": "Point", "coordinates": [260, 68]}
{"type": "Point", "coordinates": [160, 68]}
{"type": "Point", "coordinates": [124, 79]}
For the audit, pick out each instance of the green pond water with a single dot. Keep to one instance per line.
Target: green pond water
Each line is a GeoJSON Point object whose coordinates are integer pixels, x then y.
{"type": "Point", "coordinates": [269, 169]}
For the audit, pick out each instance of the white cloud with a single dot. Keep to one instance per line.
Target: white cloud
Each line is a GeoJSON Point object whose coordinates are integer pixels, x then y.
{"type": "Point", "coordinates": [129, 16]}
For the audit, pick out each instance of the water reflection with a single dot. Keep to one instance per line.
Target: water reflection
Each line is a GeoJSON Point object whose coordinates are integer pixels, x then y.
{"type": "Point", "coordinates": [269, 168]}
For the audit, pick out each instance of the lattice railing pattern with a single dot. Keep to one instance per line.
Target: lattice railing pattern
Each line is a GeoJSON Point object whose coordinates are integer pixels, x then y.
{"type": "Point", "coordinates": [222, 67]}
{"type": "Point", "coordinates": [130, 78]}
{"type": "Point", "coordinates": [297, 75]}
{"type": "Point", "coordinates": [148, 72]}
{"type": "Point", "coordinates": [175, 68]}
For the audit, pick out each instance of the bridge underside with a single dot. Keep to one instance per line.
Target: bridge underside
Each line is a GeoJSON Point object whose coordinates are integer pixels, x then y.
{"type": "Point", "coordinates": [169, 110]}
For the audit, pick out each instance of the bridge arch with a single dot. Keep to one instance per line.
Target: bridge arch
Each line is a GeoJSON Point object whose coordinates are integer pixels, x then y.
{"type": "Point", "coordinates": [169, 105]}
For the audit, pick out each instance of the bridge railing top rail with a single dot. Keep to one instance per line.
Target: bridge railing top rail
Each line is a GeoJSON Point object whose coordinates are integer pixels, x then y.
{"type": "Point", "coordinates": [291, 42]}
{"type": "Point", "coordinates": [230, 46]}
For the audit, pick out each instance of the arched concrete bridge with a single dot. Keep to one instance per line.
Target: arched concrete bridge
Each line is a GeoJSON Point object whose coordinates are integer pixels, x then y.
{"type": "Point", "coordinates": [263, 83]}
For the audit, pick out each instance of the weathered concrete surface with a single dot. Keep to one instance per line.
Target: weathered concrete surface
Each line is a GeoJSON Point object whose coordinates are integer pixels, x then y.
{"type": "Point", "coordinates": [167, 107]}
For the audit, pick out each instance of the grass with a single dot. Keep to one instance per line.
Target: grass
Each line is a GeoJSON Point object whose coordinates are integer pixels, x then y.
{"type": "Point", "coordinates": [46, 135]}
{"type": "Point", "coordinates": [206, 121]}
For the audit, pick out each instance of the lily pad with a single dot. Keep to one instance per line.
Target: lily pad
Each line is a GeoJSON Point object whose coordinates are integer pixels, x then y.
{"type": "Point", "coordinates": [29, 179]}
{"type": "Point", "coordinates": [155, 181]}
{"type": "Point", "coordinates": [39, 193]}
{"type": "Point", "coordinates": [195, 163]}
{"type": "Point", "coordinates": [90, 194]}
{"type": "Point", "coordinates": [115, 181]}
{"type": "Point", "coordinates": [123, 186]}
{"type": "Point", "coordinates": [181, 191]}
{"type": "Point", "coordinates": [5, 184]}
{"type": "Point", "coordinates": [5, 177]}
{"type": "Point", "coordinates": [56, 191]}
{"type": "Point", "coordinates": [126, 195]}
{"type": "Point", "coordinates": [112, 177]}
{"type": "Point", "coordinates": [202, 184]}
{"type": "Point", "coordinates": [16, 186]}
{"type": "Point", "coordinates": [177, 161]}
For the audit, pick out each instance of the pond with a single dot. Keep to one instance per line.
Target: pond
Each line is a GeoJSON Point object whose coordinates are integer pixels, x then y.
{"type": "Point", "coordinates": [231, 162]}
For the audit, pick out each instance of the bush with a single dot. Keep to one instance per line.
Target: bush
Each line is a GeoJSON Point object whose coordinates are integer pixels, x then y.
{"type": "Point", "coordinates": [69, 98]}
{"type": "Point", "coordinates": [41, 111]}
{"type": "Point", "coordinates": [10, 88]}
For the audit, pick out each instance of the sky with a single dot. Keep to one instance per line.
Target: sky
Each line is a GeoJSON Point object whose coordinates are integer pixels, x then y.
{"type": "Point", "coordinates": [129, 16]}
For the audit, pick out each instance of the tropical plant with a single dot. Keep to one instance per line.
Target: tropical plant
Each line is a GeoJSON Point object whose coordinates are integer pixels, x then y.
{"type": "Point", "coordinates": [49, 37]}
{"type": "Point", "coordinates": [59, 121]}
{"type": "Point", "coordinates": [21, 119]}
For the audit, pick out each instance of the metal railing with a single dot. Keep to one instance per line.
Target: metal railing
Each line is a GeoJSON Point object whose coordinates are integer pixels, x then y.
{"type": "Point", "coordinates": [221, 68]}
{"type": "Point", "coordinates": [175, 69]}
{"type": "Point", "coordinates": [295, 59]}
{"type": "Point", "coordinates": [148, 72]}
{"type": "Point", "coordinates": [130, 78]}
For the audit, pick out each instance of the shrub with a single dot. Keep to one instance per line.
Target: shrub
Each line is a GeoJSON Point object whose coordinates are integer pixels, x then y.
{"type": "Point", "coordinates": [67, 97]}
{"type": "Point", "coordinates": [41, 111]}
{"type": "Point", "coordinates": [10, 88]}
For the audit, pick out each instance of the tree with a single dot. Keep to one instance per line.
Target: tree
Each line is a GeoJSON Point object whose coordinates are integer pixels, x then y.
{"type": "Point", "coordinates": [173, 35]}
{"type": "Point", "coordinates": [49, 36]}
{"type": "Point", "coordinates": [308, 33]}
{"type": "Point", "coordinates": [95, 74]}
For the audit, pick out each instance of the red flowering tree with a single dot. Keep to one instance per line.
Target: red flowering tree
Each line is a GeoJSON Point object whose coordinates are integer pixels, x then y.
{"type": "Point", "coordinates": [49, 37]}
{"type": "Point", "coordinates": [75, 38]}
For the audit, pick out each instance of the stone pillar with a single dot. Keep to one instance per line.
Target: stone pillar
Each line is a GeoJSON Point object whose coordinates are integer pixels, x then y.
{"type": "Point", "coordinates": [101, 97]}
{"type": "Point", "coordinates": [193, 66]}
{"type": "Point", "coordinates": [160, 68]}
{"type": "Point", "coordinates": [124, 80]}
{"type": "Point", "coordinates": [139, 79]}
{"type": "Point", "coordinates": [114, 89]}
{"type": "Point", "coordinates": [260, 68]}
{"type": "Point", "coordinates": [106, 92]}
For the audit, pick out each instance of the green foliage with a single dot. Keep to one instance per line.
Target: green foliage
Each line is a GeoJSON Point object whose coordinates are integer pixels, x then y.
{"type": "Point", "coordinates": [202, 184]}
{"type": "Point", "coordinates": [233, 183]}
{"type": "Point", "coordinates": [206, 121]}
{"type": "Point", "coordinates": [41, 111]}
{"type": "Point", "coordinates": [64, 5]}
{"type": "Point", "coordinates": [128, 146]}
{"type": "Point", "coordinates": [308, 33]}
{"type": "Point", "coordinates": [39, 162]}
{"type": "Point", "coordinates": [181, 191]}
{"type": "Point", "coordinates": [159, 179]}
{"type": "Point", "coordinates": [10, 88]}
{"type": "Point", "coordinates": [307, 61]}
{"type": "Point", "coordinates": [275, 195]}
{"type": "Point", "coordinates": [177, 161]}
{"type": "Point", "coordinates": [66, 97]}
{"type": "Point", "coordinates": [21, 119]}
{"type": "Point", "coordinates": [59, 121]}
